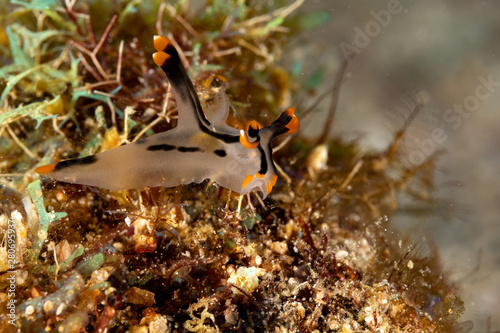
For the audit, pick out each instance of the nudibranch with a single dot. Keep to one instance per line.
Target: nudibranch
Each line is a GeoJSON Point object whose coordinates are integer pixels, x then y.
{"type": "Point", "coordinates": [201, 146]}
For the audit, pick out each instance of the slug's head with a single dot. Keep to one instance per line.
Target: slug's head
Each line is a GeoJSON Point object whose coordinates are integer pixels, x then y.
{"type": "Point", "coordinates": [287, 123]}
{"type": "Point", "coordinates": [260, 139]}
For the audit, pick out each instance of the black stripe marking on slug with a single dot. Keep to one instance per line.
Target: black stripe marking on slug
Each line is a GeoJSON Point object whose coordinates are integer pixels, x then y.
{"type": "Point", "coordinates": [169, 63]}
{"type": "Point", "coordinates": [263, 161]}
{"type": "Point", "coordinates": [164, 147]}
{"type": "Point", "coordinates": [285, 118]}
{"type": "Point", "coordinates": [79, 161]}
{"type": "Point", "coordinates": [188, 149]}
{"type": "Point", "coordinates": [253, 132]}
{"type": "Point", "coordinates": [220, 152]}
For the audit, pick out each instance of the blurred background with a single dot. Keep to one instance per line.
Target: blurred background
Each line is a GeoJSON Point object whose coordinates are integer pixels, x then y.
{"type": "Point", "coordinates": [444, 54]}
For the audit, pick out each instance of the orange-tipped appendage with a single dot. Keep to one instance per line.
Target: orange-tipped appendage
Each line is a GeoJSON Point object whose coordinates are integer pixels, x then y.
{"type": "Point", "coordinates": [290, 111]}
{"type": "Point", "coordinates": [246, 181]}
{"type": "Point", "coordinates": [45, 169]}
{"type": "Point", "coordinates": [271, 184]}
{"type": "Point", "coordinates": [160, 43]}
{"type": "Point", "coordinates": [245, 142]}
{"type": "Point", "coordinates": [160, 58]}
{"type": "Point", "coordinates": [253, 125]}
{"type": "Point", "coordinates": [294, 125]}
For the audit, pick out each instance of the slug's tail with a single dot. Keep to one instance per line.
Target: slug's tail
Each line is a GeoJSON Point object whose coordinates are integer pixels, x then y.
{"type": "Point", "coordinates": [51, 168]}
{"type": "Point", "coordinates": [45, 169]}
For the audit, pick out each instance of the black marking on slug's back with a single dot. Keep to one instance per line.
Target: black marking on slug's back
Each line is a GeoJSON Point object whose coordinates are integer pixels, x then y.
{"type": "Point", "coordinates": [164, 147]}
{"type": "Point", "coordinates": [79, 161]}
{"type": "Point", "coordinates": [220, 152]}
{"type": "Point", "coordinates": [188, 149]}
